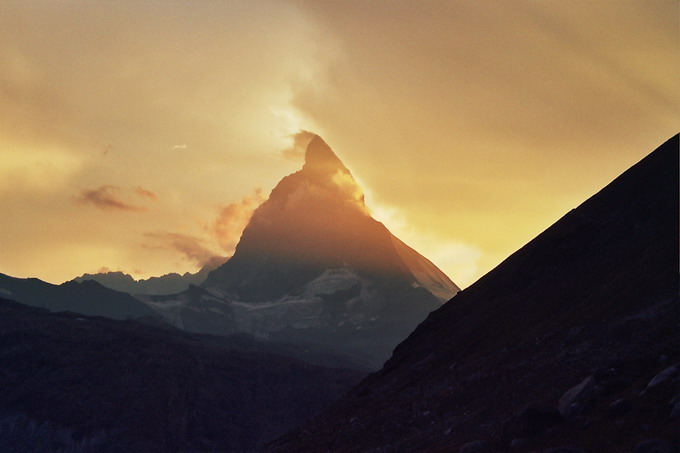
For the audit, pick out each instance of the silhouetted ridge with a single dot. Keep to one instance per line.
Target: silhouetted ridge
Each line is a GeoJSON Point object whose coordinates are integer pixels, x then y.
{"type": "Point", "coordinates": [87, 297]}
{"type": "Point", "coordinates": [166, 284]}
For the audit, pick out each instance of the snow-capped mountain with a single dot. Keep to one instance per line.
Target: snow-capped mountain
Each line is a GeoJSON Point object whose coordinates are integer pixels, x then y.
{"type": "Point", "coordinates": [313, 266]}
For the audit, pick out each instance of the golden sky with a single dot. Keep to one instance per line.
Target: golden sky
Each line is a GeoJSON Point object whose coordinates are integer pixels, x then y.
{"type": "Point", "coordinates": [138, 136]}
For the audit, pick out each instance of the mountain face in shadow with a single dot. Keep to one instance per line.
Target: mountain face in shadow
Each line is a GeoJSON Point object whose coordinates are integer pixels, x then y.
{"type": "Point", "coordinates": [74, 383]}
{"type": "Point", "coordinates": [88, 297]}
{"type": "Point", "coordinates": [313, 266]}
{"type": "Point", "coordinates": [571, 341]}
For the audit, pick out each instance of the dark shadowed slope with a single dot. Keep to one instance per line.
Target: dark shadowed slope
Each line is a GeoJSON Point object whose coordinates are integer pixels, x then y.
{"type": "Point", "coordinates": [593, 300]}
{"type": "Point", "coordinates": [73, 383]}
{"type": "Point", "coordinates": [88, 297]}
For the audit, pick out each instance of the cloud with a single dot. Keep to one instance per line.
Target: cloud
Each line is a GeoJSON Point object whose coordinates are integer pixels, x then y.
{"type": "Point", "coordinates": [216, 261]}
{"type": "Point", "coordinates": [233, 218]}
{"type": "Point", "coordinates": [297, 149]}
{"type": "Point", "coordinates": [209, 246]}
{"type": "Point", "coordinates": [349, 188]}
{"type": "Point", "coordinates": [194, 249]}
{"type": "Point", "coordinates": [108, 197]}
{"type": "Point", "coordinates": [340, 188]}
{"type": "Point", "coordinates": [145, 193]}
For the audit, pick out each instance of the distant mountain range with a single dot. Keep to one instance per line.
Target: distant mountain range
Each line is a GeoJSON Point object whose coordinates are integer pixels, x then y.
{"type": "Point", "coordinates": [172, 283]}
{"type": "Point", "coordinates": [570, 345]}
{"type": "Point", "coordinates": [87, 297]}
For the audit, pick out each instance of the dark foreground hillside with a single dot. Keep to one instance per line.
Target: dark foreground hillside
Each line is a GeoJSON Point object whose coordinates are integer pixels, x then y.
{"type": "Point", "coordinates": [570, 342]}
{"type": "Point", "coordinates": [73, 383]}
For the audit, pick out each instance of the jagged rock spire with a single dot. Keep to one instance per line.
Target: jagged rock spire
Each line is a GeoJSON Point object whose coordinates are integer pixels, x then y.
{"type": "Point", "coordinates": [320, 158]}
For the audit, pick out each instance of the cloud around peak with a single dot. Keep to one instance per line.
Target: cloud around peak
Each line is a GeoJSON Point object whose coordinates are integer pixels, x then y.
{"type": "Point", "coordinates": [233, 218]}
{"type": "Point", "coordinates": [296, 151]}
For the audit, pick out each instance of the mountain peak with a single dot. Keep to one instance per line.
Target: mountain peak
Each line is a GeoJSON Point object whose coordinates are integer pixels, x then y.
{"type": "Point", "coordinates": [320, 158]}
{"type": "Point", "coordinates": [312, 263]}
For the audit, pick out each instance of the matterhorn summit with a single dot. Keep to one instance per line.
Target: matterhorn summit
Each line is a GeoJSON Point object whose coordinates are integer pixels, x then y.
{"type": "Point", "coordinates": [314, 267]}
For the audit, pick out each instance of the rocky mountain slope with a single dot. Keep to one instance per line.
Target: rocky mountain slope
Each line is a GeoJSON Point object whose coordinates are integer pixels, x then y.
{"type": "Point", "coordinates": [75, 383]}
{"type": "Point", "coordinates": [570, 342]}
{"type": "Point", "coordinates": [314, 267]}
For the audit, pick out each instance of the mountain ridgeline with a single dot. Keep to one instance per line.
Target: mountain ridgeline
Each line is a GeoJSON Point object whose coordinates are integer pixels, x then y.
{"type": "Point", "coordinates": [87, 297]}
{"type": "Point", "coordinates": [166, 284]}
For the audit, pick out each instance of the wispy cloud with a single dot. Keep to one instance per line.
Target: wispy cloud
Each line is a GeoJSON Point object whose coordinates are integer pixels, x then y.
{"type": "Point", "coordinates": [145, 193]}
{"type": "Point", "coordinates": [192, 248]}
{"type": "Point", "coordinates": [109, 197]}
{"type": "Point", "coordinates": [233, 218]}
{"type": "Point", "coordinates": [296, 151]}
{"type": "Point", "coordinates": [216, 241]}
